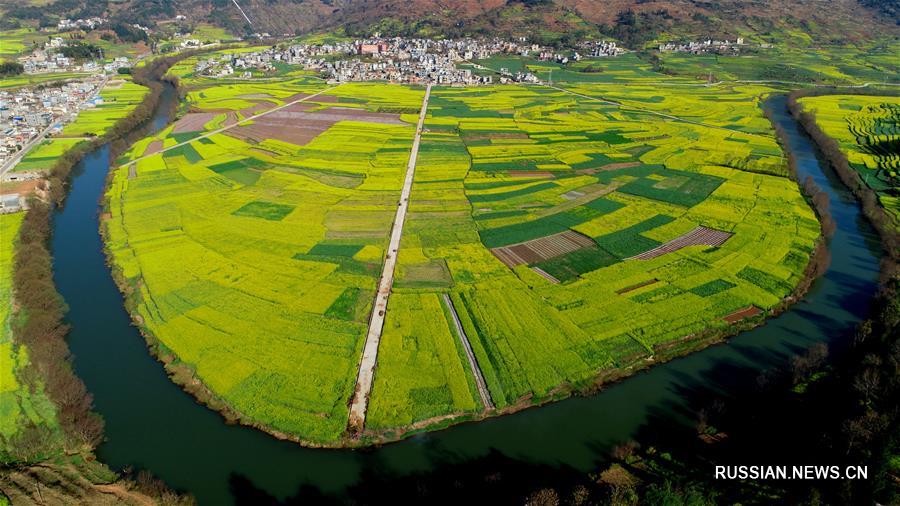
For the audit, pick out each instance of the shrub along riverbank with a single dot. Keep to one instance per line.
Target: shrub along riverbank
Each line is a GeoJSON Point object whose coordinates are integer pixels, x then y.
{"type": "Point", "coordinates": [38, 326]}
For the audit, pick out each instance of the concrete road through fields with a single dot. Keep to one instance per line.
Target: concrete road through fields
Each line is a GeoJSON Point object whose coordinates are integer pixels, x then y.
{"type": "Point", "coordinates": [369, 359]}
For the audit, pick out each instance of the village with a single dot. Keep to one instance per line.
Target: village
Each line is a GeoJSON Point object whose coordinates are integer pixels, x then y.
{"type": "Point", "coordinates": [51, 57]}
{"type": "Point", "coordinates": [704, 46]}
{"type": "Point", "coordinates": [399, 60]}
{"type": "Point", "coordinates": [29, 115]}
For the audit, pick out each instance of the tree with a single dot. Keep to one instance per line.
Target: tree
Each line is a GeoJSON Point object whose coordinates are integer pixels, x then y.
{"type": "Point", "coordinates": [11, 68]}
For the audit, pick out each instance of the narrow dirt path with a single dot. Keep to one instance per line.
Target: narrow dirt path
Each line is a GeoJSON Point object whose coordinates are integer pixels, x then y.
{"type": "Point", "coordinates": [483, 391]}
{"type": "Point", "coordinates": [364, 379]}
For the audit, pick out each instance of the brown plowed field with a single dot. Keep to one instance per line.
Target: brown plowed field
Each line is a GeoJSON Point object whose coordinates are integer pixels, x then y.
{"type": "Point", "coordinates": [700, 236]}
{"type": "Point", "coordinates": [193, 122]}
{"type": "Point", "coordinates": [298, 125]}
{"type": "Point", "coordinates": [741, 314]}
{"type": "Point", "coordinates": [544, 248]}
{"type": "Point", "coordinates": [153, 147]}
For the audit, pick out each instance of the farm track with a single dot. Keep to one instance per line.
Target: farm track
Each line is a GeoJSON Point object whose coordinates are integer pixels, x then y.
{"type": "Point", "coordinates": [483, 391]}
{"type": "Point", "coordinates": [228, 127]}
{"type": "Point", "coordinates": [369, 359]}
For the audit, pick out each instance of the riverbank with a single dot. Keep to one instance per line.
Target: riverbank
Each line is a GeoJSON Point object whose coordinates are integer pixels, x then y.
{"type": "Point", "coordinates": [831, 150]}
{"type": "Point", "coordinates": [39, 325]}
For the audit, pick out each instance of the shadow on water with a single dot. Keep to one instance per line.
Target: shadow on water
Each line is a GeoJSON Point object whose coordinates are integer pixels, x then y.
{"type": "Point", "coordinates": [151, 423]}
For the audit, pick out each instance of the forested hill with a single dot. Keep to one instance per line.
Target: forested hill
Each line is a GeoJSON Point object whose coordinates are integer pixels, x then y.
{"type": "Point", "coordinates": [551, 21]}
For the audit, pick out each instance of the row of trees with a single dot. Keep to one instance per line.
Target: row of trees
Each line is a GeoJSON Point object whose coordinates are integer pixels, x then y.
{"type": "Point", "coordinates": [38, 322]}
{"type": "Point", "coordinates": [831, 149]}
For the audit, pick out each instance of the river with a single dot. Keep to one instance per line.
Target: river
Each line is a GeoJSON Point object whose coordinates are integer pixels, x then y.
{"type": "Point", "coordinates": [152, 424]}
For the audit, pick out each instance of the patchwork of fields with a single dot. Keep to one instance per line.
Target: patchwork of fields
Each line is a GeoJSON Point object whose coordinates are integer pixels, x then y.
{"type": "Point", "coordinates": [868, 131]}
{"type": "Point", "coordinates": [572, 236]}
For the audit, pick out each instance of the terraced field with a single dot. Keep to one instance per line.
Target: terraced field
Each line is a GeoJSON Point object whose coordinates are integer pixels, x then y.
{"type": "Point", "coordinates": [573, 236]}
{"type": "Point", "coordinates": [868, 131]}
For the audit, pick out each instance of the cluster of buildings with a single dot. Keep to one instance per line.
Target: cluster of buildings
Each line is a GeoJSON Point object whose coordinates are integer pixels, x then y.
{"type": "Point", "coordinates": [704, 46]}
{"type": "Point", "coordinates": [80, 24]}
{"type": "Point", "coordinates": [397, 59]}
{"type": "Point", "coordinates": [601, 48]}
{"type": "Point", "coordinates": [242, 64]}
{"type": "Point", "coordinates": [29, 114]}
{"type": "Point", "coordinates": [50, 58]}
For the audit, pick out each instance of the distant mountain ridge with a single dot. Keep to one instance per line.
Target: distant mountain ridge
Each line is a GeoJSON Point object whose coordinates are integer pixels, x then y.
{"type": "Point", "coordinates": [632, 21]}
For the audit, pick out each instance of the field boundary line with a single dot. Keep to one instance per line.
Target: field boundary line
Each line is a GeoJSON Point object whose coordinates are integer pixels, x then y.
{"type": "Point", "coordinates": [364, 379]}
{"type": "Point", "coordinates": [228, 127]}
{"type": "Point", "coordinates": [483, 391]}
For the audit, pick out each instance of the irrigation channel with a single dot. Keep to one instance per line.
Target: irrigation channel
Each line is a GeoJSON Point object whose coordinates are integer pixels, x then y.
{"type": "Point", "coordinates": [152, 424]}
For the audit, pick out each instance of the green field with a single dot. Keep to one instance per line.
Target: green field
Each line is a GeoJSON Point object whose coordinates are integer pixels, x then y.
{"type": "Point", "coordinates": [874, 61]}
{"type": "Point", "coordinates": [45, 154]}
{"type": "Point", "coordinates": [868, 131]}
{"type": "Point", "coordinates": [254, 253]}
{"type": "Point", "coordinates": [21, 405]}
{"type": "Point", "coordinates": [18, 41]}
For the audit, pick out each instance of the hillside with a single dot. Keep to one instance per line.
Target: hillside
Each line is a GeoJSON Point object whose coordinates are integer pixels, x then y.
{"type": "Point", "coordinates": [632, 21]}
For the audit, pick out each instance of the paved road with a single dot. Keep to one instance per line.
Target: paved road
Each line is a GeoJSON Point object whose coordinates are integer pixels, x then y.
{"type": "Point", "coordinates": [483, 391]}
{"type": "Point", "coordinates": [367, 363]}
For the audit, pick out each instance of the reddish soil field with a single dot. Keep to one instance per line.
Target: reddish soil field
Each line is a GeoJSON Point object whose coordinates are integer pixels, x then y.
{"type": "Point", "coordinates": [20, 187]}
{"type": "Point", "coordinates": [741, 314]}
{"type": "Point", "coordinates": [295, 124]}
{"type": "Point", "coordinates": [153, 147]}
{"type": "Point", "coordinates": [530, 173]}
{"type": "Point", "coordinates": [193, 122]}
{"type": "Point", "coordinates": [620, 165]}
{"type": "Point", "coordinates": [544, 248]}
{"type": "Point", "coordinates": [257, 108]}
